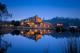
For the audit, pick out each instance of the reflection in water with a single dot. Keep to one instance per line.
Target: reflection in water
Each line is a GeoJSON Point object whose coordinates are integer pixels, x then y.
{"type": "Point", "coordinates": [4, 46]}
{"type": "Point", "coordinates": [32, 33]}
{"type": "Point", "coordinates": [73, 45]}
{"type": "Point", "coordinates": [60, 43]}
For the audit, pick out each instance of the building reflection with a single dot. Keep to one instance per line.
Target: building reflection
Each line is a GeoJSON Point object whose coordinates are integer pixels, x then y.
{"type": "Point", "coordinates": [34, 32]}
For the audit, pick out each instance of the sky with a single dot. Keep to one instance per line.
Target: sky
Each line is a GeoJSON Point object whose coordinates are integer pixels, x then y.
{"type": "Point", "coordinates": [46, 9]}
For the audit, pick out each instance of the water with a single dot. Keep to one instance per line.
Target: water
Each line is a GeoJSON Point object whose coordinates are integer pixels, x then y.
{"type": "Point", "coordinates": [55, 43]}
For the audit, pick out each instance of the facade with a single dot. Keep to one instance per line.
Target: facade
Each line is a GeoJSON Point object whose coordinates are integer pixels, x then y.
{"type": "Point", "coordinates": [35, 22]}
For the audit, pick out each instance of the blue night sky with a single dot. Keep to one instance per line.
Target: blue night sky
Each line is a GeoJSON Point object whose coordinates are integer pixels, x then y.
{"type": "Point", "coordinates": [46, 9]}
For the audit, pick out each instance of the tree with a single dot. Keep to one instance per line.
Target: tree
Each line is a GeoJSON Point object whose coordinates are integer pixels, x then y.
{"type": "Point", "coordinates": [15, 23]}
{"type": "Point", "coordinates": [3, 12]}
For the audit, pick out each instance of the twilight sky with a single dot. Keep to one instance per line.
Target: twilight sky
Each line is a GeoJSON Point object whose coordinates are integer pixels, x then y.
{"type": "Point", "coordinates": [46, 9]}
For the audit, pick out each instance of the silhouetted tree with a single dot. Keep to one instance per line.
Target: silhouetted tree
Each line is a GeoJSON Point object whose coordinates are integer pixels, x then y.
{"type": "Point", "coordinates": [3, 12]}
{"type": "Point", "coordinates": [15, 23]}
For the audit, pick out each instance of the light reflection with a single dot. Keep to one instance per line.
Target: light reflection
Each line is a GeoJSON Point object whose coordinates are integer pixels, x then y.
{"type": "Point", "coordinates": [35, 32]}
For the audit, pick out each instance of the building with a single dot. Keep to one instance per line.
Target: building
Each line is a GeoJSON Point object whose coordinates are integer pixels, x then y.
{"type": "Point", "coordinates": [32, 21]}
{"type": "Point", "coordinates": [35, 22]}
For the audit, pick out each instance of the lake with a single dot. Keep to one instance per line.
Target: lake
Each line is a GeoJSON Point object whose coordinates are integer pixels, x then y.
{"type": "Point", "coordinates": [45, 43]}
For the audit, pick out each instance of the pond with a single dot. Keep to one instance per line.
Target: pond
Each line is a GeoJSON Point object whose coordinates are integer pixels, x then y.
{"type": "Point", "coordinates": [42, 43]}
